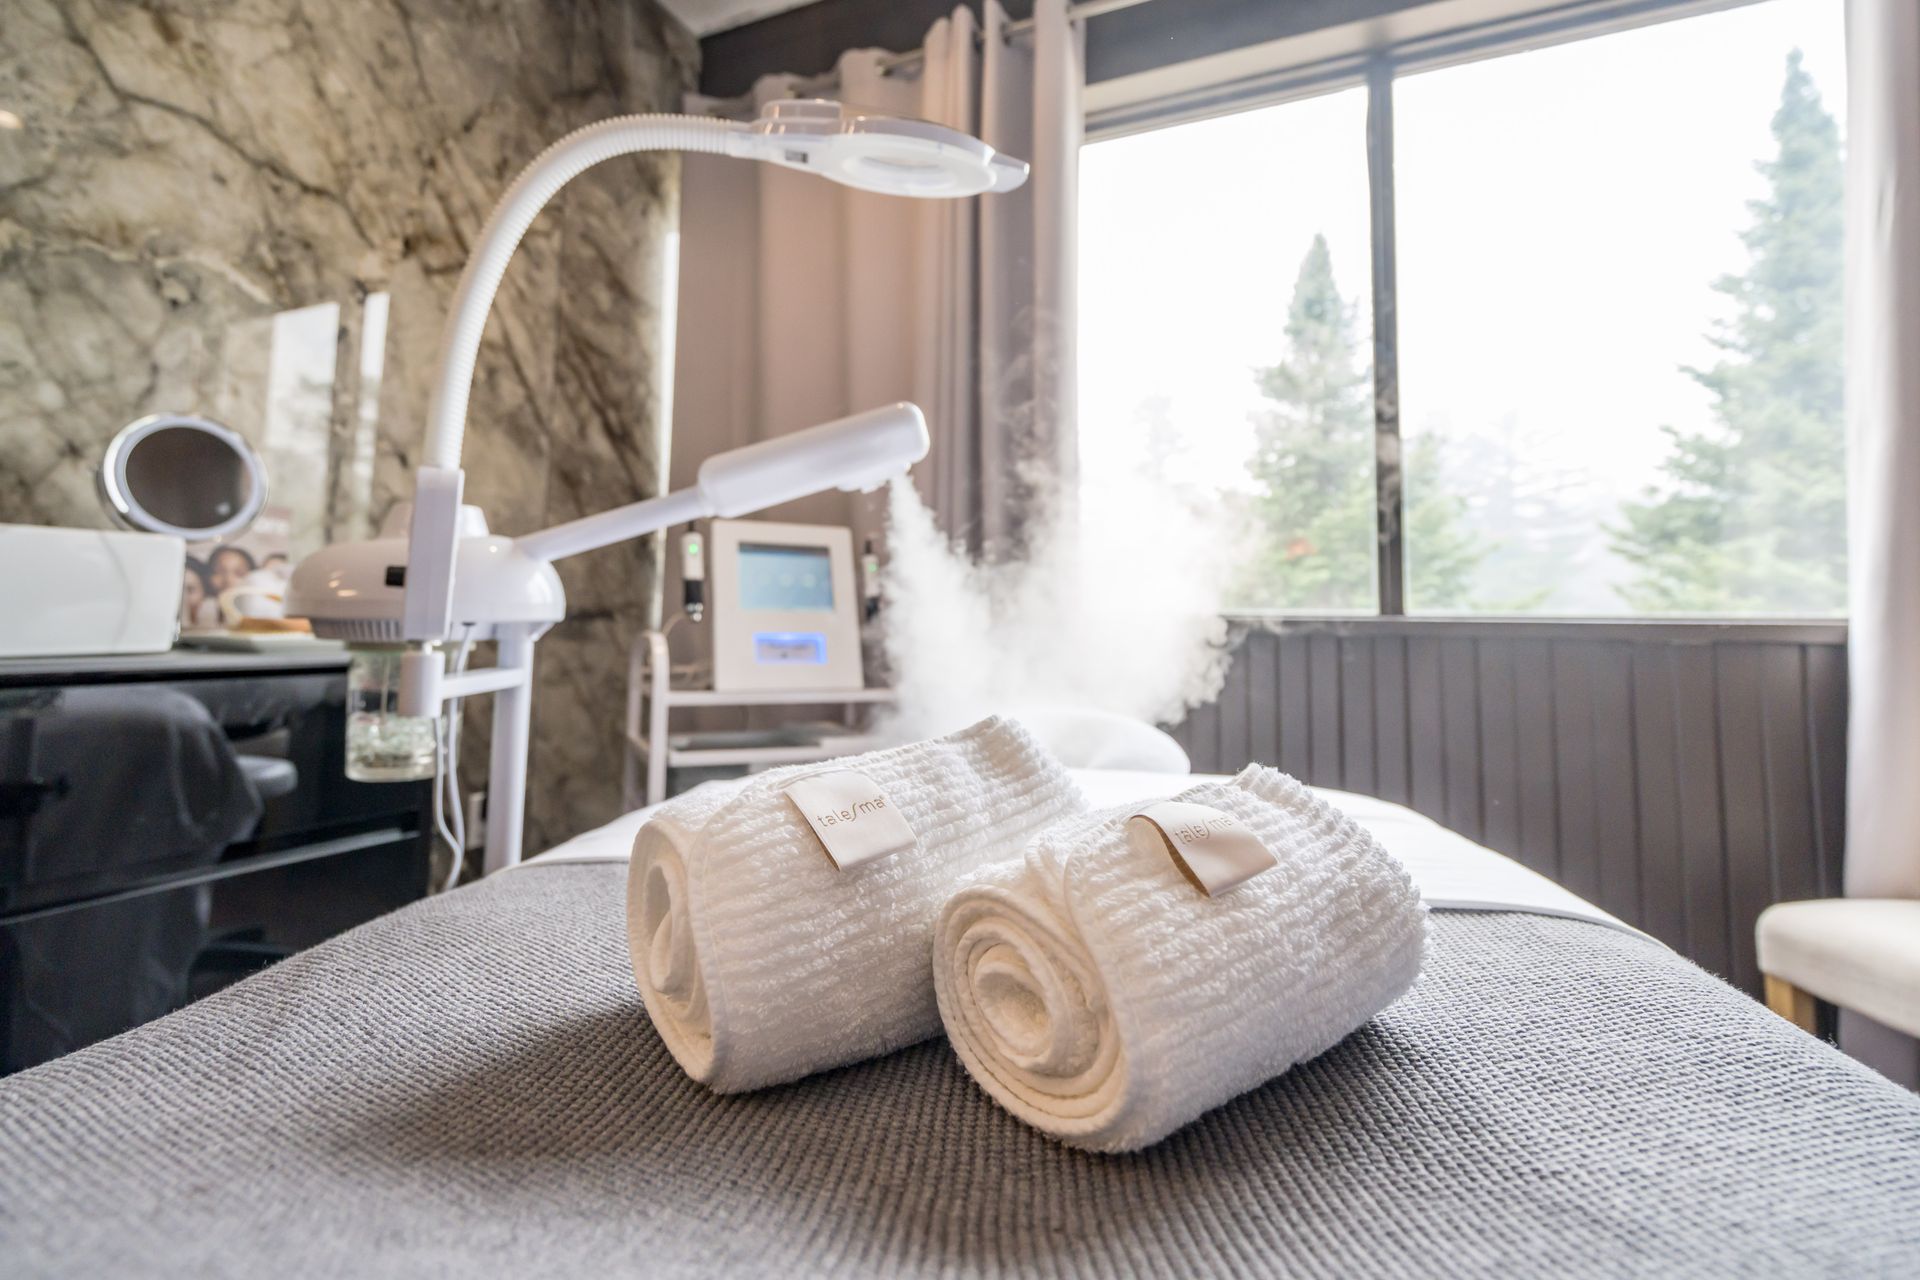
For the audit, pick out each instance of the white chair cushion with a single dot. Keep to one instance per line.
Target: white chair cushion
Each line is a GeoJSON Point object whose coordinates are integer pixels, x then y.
{"type": "Point", "coordinates": [1859, 953]}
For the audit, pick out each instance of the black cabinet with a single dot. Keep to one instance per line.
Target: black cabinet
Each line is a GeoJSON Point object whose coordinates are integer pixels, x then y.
{"type": "Point", "coordinates": [170, 824]}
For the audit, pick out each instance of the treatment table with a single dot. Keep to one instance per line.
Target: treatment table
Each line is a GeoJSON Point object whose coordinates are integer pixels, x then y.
{"type": "Point", "coordinates": [471, 1086]}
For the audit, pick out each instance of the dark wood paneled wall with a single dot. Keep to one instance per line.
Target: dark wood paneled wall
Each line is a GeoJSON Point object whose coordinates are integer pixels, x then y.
{"type": "Point", "coordinates": [1681, 776]}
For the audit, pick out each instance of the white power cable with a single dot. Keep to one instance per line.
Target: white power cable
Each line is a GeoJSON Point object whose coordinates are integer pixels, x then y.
{"type": "Point", "coordinates": [446, 783]}
{"type": "Point", "coordinates": [440, 810]}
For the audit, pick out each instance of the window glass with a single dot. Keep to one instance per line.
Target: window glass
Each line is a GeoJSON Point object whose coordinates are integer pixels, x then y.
{"type": "Point", "coordinates": [1619, 270]}
{"type": "Point", "coordinates": [1226, 340]}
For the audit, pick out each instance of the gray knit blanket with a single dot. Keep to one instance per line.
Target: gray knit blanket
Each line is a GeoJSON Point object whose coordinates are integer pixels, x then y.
{"type": "Point", "coordinates": [471, 1086]}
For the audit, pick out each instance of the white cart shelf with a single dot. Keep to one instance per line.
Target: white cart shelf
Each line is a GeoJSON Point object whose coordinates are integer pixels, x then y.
{"type": "Point", "coordinates": [651, 698]}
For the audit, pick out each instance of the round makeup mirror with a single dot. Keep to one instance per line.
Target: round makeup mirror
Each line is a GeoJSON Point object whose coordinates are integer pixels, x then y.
{"type": "Point", "coordinates": [187, 476]}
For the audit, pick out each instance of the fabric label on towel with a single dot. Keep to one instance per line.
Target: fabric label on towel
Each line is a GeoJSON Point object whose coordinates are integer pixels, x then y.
{"type": "Point", "coordinates": [852, 816]}
{"type": "Point", "coordinates": [1213, 851]}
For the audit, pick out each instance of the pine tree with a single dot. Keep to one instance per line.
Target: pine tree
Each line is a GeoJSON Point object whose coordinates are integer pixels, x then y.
{"type": "Point", "coordinates": [1444, 554]}
{"type": "Point", "coordinates": [1313, 472]}
{"type": "Point", "coordinates": [1750, 516]}
{"type": "Point", "coordinates": [1535, 514]}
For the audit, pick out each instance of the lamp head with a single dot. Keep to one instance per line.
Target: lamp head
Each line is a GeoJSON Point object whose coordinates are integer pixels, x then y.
{"type": "Point", "coordinates": [890, 155]}
{"type": "Point", "coordinates": [356, 591]}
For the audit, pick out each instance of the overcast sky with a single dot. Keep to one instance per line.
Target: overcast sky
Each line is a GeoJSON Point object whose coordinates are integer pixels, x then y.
{"type": "Point", "coordinates": [1562, 216]}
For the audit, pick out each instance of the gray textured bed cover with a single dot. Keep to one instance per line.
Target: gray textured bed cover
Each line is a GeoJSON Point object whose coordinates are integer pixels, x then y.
{"type": "Point", "coordinates": [471, 1086]}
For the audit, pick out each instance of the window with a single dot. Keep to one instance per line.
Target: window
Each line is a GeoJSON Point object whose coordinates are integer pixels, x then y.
{"type": "Point", "coordinates": [1618, 289]}
{"type": "Point", "coordinates": [1226, 337]}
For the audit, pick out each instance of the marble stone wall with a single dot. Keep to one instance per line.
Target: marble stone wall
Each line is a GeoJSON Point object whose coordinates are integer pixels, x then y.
{"type": "Point", "coordinates": [258, 209]}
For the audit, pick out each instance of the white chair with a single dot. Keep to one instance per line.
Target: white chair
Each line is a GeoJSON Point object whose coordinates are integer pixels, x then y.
{"type": "Point", "coordinates": [1859, 953]}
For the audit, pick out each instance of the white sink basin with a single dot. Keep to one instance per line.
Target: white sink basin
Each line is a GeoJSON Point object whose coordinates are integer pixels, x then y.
{"type": "Point", "coordinates": [66, 592]}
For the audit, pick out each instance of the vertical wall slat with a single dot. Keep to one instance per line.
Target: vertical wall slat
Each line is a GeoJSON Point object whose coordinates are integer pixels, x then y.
{"type": "Point", "coordinates": [1356, 715]}
{"type": "Point", "coordinates": [1390, 751]}
{"type": "Point", "coordinates": [1703, 864]}
{"type": "Point", "coordinates": [1826, 671]}
{"type": "Point", "coordinates": [1296, 748]}
{"type": "Point", "coordinates": [1792, 846]}
{"type": "Point", "coordinates": [1499, 747]}
{"type": "Point", "coordinates": [1743, 790]}
{"type": "Point", "coordinates": [1426, 730]}
{"type": "Point", "coordinates": [1236, 734]}
{"type": "Point", "coordinates": [1662, 907]}
{"type": "Point", "coordinates": [1262, 656]}
{"type": "Point", "coordinates": [1203, 726]}
{"type": "Point", "coordinates": [1573, 672]}
{"type": "Point", "coordinates": [1538, 785]}
{"type": "Point", "coordinates": [1617, 816]}
{"type": "Point", "coordinates": [1324, 697]}
{"type": "Point", "coordinates": [1460, 725]}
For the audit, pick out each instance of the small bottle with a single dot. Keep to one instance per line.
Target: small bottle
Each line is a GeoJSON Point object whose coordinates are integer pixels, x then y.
{"type": "Point", "coordinates": [870, 579]}
{"type": "Point", "coordinates": [693, 575]}
{"type": "Point", "coordinates": [382, 744]}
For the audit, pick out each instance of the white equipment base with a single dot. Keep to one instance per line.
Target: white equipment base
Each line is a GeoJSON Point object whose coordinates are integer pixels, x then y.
{"type": "Point", "coordinates": [651, 697]}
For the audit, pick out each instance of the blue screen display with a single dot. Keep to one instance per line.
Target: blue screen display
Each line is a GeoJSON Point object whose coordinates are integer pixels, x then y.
{"type": "Point", "coordinates": [785, 578]}
{"type": "Point", "coordinates": [786, 648]}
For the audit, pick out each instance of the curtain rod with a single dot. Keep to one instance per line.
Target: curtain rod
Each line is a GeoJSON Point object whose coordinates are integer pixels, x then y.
{"type": "Point", "coordinates": [1075, 13]}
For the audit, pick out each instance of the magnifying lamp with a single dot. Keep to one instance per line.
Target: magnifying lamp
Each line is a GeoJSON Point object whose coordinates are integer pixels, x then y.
{"type": "Point", "coordinates": [448, 579]}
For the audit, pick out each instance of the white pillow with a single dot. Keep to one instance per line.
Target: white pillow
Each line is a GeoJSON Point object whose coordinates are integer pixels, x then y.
{"type": "Point", "coordinates": [1083, 739]}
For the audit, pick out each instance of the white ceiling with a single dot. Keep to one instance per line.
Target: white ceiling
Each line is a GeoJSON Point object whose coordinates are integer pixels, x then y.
{"type": "Point", "coordinates": [704, 17]}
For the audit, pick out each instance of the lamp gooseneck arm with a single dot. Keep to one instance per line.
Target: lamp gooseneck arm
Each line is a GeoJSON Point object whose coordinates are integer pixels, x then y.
{"type": "Point", "coordinates": [530, 192]}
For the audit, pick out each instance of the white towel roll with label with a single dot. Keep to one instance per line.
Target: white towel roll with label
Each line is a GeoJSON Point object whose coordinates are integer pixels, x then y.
{"type": "Point", "coordinates": [1099, 993]}
{"type": "Point", "coordinates": [783, 929]}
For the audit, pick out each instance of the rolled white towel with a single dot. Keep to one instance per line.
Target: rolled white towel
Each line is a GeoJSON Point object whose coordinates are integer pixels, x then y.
{"type": "Point", "coordinates": [761, 960]}
{"type": "Point", "coordinates": [1101, 997]}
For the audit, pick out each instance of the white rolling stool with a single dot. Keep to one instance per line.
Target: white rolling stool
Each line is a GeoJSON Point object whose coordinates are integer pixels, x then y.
{"type": "Point", "coordinates": [1859, 953]}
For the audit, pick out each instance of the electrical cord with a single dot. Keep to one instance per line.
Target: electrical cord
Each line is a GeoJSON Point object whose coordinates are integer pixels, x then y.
{"type": "Point", "coordinates": [446, 784]}
{"type": "Point", "coordinates": [439, 811]}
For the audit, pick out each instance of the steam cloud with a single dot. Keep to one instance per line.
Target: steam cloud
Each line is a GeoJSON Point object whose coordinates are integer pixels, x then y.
{"type": "Point", "coordinates": [1115, 609]}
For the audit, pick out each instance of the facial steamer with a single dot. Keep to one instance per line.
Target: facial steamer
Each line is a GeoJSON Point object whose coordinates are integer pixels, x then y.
{"type": "Point", "coordinates": [449, 581]}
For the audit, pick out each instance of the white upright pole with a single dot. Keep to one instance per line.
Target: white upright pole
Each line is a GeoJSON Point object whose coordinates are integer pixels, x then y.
{"type": "Point", "coordinates": [507, 770]}
{"type": "Point", "coordinates": [659, 675]}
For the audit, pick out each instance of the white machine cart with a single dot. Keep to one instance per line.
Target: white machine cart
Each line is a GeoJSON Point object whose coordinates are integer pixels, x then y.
{"type": "Point", "coordinates": [651, 747]}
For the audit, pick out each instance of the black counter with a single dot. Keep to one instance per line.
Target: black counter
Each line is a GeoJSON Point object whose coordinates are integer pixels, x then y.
{"type": "Point", "coordinates": [175, 664]}
{"type": "Point", "coordinates": [172, 822]}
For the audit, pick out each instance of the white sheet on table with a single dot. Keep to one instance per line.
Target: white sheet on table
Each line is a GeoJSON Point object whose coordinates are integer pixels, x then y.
{"type": "Point", "coordinates": [1454, 873]}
